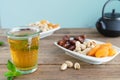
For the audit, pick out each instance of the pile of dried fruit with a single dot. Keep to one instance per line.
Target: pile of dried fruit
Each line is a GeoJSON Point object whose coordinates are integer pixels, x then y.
{"type": "Point", "coordinates": [44, 25]}
{"type": "Point", "coordinates": [90, 48]}
{"type": "Point", "coordinates": [102, 50]}
{"type": "Point", "coordinates": [69, 43]}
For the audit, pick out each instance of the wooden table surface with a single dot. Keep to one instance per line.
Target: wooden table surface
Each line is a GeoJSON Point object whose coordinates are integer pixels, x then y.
{"type": "Point", "coordinates": [51, 58]}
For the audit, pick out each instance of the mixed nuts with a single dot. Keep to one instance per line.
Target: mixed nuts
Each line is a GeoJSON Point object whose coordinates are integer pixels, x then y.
{"type": "Point", "coordinates": [87, 47]}
{"type": "Point", "coordinates": [44, 25]}
{"type": "Point", "coordinates": [69, 64]}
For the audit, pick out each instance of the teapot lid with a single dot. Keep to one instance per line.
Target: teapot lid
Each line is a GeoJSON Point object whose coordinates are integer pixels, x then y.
{"type": "Point", "coordinates": [112, 16]}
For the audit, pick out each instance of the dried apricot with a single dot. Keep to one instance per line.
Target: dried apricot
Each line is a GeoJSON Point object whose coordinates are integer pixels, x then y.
{"type": "Point", "coordinates": [44, 22]}
{"type": "Point", "coordinates": [109, 45]}
{"type": "Point", "coordinates": [55, 25]}
{"type": "Point", "coordinates": [112, 52]}
{"type": "Point", "coordinates": [93, 50]}
{"type": "Point", "coordinates": [102, 52]}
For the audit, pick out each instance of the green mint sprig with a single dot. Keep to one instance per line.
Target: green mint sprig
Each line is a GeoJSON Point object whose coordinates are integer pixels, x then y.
{"type": "Point", "coordinates": [12, 71]}
{"type": "Point", "coordinates": [1, 43]}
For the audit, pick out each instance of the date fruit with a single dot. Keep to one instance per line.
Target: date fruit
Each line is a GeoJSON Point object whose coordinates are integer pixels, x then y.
{"type": "Point", "coordinates": [66, 38]}
{"type": "Point", "coordinates": [61, 42]}
{"type": "Point", "coordinates": [80, 38]}
{"type": "Point", "coordinates": [69, 43]}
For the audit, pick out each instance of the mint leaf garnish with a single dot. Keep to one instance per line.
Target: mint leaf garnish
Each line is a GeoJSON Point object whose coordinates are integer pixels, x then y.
{"type": "Point", "coordinates": [17, 73]}
{"type": "Point", "coordinates": [12, 71]}
{"type": "Point", "coordinates": [11, 66]}
{"type": "Point", "coordinates": [9, 74]}
{"type": "Point", "coordinates": [9, 78]}
{"type": "Point", "coordinates": [1, 43]}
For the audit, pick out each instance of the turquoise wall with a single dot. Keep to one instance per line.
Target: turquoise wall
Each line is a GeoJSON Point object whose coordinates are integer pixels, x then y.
{"type": "Point", "coordinates": [68, 13]}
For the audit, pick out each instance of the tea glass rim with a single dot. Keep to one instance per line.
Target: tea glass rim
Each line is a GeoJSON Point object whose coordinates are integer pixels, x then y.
{"type": "Point", "coordinates": [9, 33]}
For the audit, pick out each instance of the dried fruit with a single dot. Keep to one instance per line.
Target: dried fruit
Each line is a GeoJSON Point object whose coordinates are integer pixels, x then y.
{"type": "Point", "coordinates": [72, 42]}
{"type": "Point", "coordinates": [109, 45]}
{"type": "Point", "coordinates": [61, 42]}
{"type": "Point", "coordinates": [102, 52]}
{"type": "Point", "coordinates": [44, 25]}
{"type": "Point", "coordinates": [66, 38]}
{"type": "Point", "coordinates": [79, 38]}
{"type": "Point", "coordinates": [93, 50]}
{"type": "Point", "coordinates": [112, 52]}
{"type": "Point", "coordinates": [66, 45]}
{"type": "Point", "coordinates": [72, 47]}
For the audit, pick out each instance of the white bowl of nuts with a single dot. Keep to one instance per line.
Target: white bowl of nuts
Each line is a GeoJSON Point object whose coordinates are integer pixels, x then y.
{"type": "Point", "coordinates": [82, 49]}
{"type": "Point", "coordinates": [47, 28]}
{"type": "Point", "coordinates": [48, 33]}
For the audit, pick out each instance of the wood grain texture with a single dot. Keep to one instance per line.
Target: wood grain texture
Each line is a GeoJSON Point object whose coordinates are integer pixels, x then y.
{"type": "Point", "coordinates": [51, 57]}
{"type": "Point", "coordinates": [87, 72]}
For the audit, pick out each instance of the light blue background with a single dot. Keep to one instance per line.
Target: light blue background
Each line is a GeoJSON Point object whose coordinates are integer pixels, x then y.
{"type": "Point", "coordinates": [68, 13]}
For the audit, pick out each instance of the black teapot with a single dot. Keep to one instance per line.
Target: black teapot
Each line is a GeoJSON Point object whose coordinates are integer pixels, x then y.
{"type": "Point", "coordinates": [109, 23]}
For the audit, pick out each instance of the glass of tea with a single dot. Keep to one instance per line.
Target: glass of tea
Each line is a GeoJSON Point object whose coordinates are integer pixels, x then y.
{"type": "Point", "coordinates": [24, 48]}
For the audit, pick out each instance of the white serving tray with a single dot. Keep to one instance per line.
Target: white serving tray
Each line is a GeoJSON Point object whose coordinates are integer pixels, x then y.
{"type": "Point", "coordinates": [48, 33]}
{"type": "Point", "coordinates": [89, 59]}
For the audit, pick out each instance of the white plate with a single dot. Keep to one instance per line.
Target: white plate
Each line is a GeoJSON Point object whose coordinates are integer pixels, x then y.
{"type": "Point", "coordinates": [48, 33]}
{"type": "Point", "coordinates": [89, 59]}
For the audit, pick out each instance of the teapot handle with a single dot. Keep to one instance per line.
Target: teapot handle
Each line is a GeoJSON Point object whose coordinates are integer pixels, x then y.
{"type": "Point", "coordinates": [105, 6]}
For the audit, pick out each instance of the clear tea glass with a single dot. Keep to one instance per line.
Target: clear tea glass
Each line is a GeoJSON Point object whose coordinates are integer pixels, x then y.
{"type": "Point", "coordinates": [24, 48]}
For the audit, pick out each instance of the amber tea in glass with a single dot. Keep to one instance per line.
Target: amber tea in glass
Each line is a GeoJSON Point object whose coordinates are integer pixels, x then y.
{"type": "Point", "coordinates": [24, 46]}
